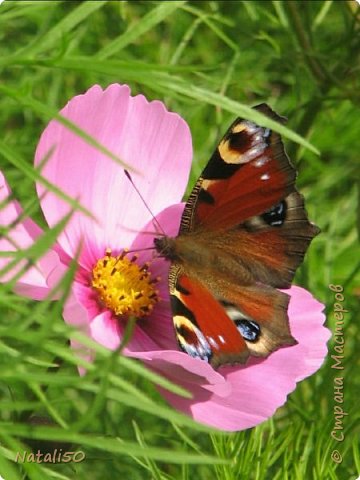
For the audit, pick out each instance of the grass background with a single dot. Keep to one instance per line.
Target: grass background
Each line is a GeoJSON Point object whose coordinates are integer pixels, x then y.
{"type": "Point", "coordinates": [205, 60]}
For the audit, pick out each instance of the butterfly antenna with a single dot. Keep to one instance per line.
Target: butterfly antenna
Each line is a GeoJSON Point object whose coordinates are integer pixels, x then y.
{"type": "Point", "coordinates": [157, 224]}
{"type": "Point", "coordinates": [139, 250]}
{"type": "Point", "coordinates": [147, 232]}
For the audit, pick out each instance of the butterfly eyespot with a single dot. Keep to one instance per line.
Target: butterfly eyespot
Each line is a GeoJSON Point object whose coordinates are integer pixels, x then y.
{"type": "Point", "coordinates": [240, 141]}
{"type": "Point", "coordinates": [276, 215]}
{"type": "Point", "coordinates": [249, 330]}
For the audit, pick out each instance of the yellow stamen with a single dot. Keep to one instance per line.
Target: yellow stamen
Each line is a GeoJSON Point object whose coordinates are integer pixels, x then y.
{"type": "Point", "coordinates": [123, 286]}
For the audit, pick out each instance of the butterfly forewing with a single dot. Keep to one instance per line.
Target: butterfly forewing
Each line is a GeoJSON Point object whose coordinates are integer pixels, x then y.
{"type": "Point", "coordinates": [248, 173]}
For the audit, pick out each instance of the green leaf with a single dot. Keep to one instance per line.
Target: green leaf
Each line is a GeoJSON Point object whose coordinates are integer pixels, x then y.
{"type": "Point", "coordinates": [142, 25]}
{"type": "Point", "coordinates": [53, 36]}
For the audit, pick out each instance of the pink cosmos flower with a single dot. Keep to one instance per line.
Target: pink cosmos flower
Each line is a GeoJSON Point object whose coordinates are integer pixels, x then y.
{"type": "Point", "coordinates": [157, 144]}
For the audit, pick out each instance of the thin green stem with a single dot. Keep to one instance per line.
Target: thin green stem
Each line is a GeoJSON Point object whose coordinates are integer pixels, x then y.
{"type": "Point", "coordinates": [317, 70]}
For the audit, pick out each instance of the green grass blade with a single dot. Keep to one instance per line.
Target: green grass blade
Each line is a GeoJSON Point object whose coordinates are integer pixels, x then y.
{"type": "Point", "coordinates": [143, 25]}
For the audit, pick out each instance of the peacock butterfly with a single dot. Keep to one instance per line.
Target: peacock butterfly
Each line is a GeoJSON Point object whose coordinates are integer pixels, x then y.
{"type": "Point", "coordinates": [243, 233]}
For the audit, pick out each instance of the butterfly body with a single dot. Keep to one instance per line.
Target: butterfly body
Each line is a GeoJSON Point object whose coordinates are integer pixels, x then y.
{"type": "Point", "coordinates": [243, 233]}
{"type": "Point", "coordinates": [203, 252]}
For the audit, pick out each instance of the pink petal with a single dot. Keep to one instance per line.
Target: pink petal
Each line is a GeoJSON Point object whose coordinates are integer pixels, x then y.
{"type": "Point", "coordinates": [312, 348]}
{"type": "Point", "coordinates": [159, 326]}
{"type": "Point", "coordinates": [33, 282]}
{"type": "Point", "coordinates": [76, 315]}
{"type": "Point", "coordinates": [145, 135]}
{"type": "Point", "coordinates": [177, 365]}
{"type": "Point", "coordinates": [105, 330]}
{"type": "Point", "coordinates": [261, 386]}
{"type": "Point", "coordinates": [109, 331]}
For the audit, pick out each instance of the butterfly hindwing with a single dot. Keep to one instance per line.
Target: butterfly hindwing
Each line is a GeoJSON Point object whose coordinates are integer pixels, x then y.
{"type": "Point", "coordinates": [260, 314]}
{"type": "Point", "coordinates": [228, 325]}
{"type": "Point", "coordinates": [203, 328]}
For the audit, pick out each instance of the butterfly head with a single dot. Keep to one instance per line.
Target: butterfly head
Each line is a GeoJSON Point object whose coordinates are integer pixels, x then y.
{"type": "Point", "coordinates": [165, 246]}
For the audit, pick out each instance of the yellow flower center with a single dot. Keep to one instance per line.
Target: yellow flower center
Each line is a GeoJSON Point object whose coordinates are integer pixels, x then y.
{"type": "Point", "coordinates": [123, 286]}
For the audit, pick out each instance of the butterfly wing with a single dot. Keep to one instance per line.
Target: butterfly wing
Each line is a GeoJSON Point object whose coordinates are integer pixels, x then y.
{"type": "Point", "coordinates": [248, 191]}
{"type": "Point", "coordinates": [219, 331]}
{"type": "Point", "coordinates": [248, 173]}
{"type": "Point", "coordinates": [202, 326]}
{"type": "Point", "coordinates": [246, 213]}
